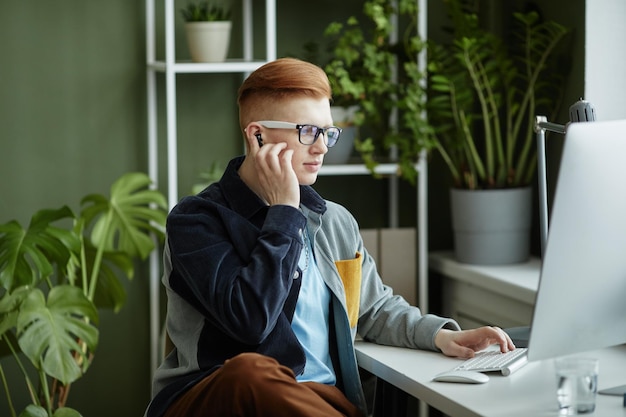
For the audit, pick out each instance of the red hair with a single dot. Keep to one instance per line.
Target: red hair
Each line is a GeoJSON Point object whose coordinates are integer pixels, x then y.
{"type": "Point", "coordinates": [277, 80]}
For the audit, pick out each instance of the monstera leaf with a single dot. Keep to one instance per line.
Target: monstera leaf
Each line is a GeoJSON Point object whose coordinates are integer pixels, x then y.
{"type": "Point", "coordinates": [27, 255]}
{"type": "Point", "coordinates": [110, 292]}
{"type": "Point", "coordinates": [58, 335]}
{"type": "Point", "coordinates": [9, 309]}
{"type": "Point", "coordinates": [122, 222]}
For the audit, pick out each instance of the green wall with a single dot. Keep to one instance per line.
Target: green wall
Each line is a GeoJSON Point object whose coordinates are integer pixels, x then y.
{"type": "Point", "coordinates": [73, 119]}
{"type": "Point", "coordinates": [71, 103]}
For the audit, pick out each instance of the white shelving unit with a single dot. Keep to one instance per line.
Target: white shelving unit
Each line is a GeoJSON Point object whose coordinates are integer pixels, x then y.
{"type": "Point", "coordinates": [170, 67]}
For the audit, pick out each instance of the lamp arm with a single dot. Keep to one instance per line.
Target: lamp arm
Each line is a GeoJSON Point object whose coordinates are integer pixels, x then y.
{"type": "Point", "coordinates": [541, 125]}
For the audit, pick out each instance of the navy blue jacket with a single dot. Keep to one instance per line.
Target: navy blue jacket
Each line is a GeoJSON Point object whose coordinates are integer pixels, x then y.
{"type": "Point", "coordinates": [232, 280]}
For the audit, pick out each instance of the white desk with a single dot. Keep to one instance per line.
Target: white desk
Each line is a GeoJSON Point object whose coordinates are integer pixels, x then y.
{"type": "Point", "coordinates": [529, 392]}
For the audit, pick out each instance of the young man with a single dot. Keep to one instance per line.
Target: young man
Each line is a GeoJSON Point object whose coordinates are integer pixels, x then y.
{"type": "Point", "coordinates": [268, 283]}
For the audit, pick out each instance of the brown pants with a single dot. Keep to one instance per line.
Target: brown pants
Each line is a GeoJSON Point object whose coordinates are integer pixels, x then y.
{"type": "Point", "coordinates": [251, 385]}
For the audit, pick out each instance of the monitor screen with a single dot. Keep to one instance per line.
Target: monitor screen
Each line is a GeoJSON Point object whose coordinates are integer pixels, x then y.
{"type": "Point", "coordinates": [581, 302]}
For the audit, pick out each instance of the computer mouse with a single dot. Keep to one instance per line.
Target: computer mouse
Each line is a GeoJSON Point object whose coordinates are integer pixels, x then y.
{"type": "Point", "coordinates": [466, 377]}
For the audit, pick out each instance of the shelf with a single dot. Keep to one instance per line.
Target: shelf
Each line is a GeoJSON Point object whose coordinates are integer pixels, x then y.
{"type": "Point", "coordinates": [519, 281]}
{"type": "Point", "coordinates": [170, 66]}
{"type": "Point", "coordinates": [357, 169]}
{"type": "Point", "coordinates": [188, 67]}
{"type": "Point", "coordinates": [360, 169]}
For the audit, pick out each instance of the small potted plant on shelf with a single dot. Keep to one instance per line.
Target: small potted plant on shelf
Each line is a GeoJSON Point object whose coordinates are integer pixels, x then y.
{"type": "Point", "coordinates": [484, 95]}
{"type": "Point", "coordinates": [208, 27]}
{"type": "Point", "coordinates": [381, 77]}
{"type": "Point", "coordinates": [54, 277]}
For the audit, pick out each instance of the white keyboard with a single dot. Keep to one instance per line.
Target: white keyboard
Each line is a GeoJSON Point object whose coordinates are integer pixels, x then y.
{"type": "Point", "coordinates": [495, 361]}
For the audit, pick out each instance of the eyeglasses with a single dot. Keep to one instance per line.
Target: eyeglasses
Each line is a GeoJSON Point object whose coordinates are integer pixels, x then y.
{"type": "Point", "coordinates": [307, 134]}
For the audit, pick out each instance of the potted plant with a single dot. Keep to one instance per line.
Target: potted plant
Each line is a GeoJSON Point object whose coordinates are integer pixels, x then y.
{"type": "Point", "coordinates": [484, 96]}
{"type": "Point", "coordinates": [380, 75]}
{"type": "Point", "coordinates": [344, 109]}
{"type": "Point", "coordinates": [208, 28]}
{"type": "Point", "coordinates": [55, 275]}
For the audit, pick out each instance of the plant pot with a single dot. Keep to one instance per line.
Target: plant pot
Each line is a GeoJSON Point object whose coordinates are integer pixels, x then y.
{"type": "Point", "coordinates": [208, 41]}
{"type": "Point", "coordinates": [491, 227]}
{"type": "Point", "coordinates": [343, 117]}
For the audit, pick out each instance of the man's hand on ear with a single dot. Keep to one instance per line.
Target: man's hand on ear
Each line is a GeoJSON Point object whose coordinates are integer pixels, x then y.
{"type": "Point", "coordinates": [277, 181]}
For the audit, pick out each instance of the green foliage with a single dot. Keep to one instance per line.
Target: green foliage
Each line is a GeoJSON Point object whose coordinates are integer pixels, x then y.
{"type": "Point", "coordinates": [37, 411]}
{"type": "Point", "coordinates": [27, 256]}
{"type": "Point", "coordinates": [380, 75]}
{"type": "Point", "coordinates": [51, 332]}
{"type": "Point", "coordinates": [205, 12]}
{"type": "Point", "coordinates": [485, 93]}
{"type": "Point", "coordinates": [212, 174]}
{"type": "Point", "coordinates": [54, 279]}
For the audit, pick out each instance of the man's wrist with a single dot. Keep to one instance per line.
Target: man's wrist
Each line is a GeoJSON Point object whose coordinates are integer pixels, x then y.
{"type": "Point", "coordinates": [440, 337]}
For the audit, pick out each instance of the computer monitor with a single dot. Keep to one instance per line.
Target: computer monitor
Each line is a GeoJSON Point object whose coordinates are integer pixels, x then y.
{"type": "Point", "coordinates": [581, 301]}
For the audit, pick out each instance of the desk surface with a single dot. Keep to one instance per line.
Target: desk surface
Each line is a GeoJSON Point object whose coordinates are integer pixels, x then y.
{"type": "Point", "coordinates": [530, 391]}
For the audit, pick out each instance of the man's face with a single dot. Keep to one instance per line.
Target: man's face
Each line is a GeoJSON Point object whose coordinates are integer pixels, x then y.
{"type": "Point", "coordinates": [307, 159]}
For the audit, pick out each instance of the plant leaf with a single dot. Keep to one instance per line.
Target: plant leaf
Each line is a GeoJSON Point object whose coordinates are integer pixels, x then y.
{"type": "Point", "coordinates": [9, 307]}
{"type": "Point", "coordinates": [66, 412]}
{"type": "Point", "coordinates": [110, 293]}
{"type": "Point", "coordinates": [123, 222]}
{"type": "Point", "coordinates": [33, 410]}
{"type": "Point", "coordinates": [52, 334]}
{"type": "Point", "coordinates": [5, 350]}
{"type": "Point", "coordinates": [27, 255]}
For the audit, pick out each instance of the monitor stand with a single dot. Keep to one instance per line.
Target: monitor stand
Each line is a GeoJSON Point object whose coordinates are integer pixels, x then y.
{"type": "Point", "coordinates": [520, 336]}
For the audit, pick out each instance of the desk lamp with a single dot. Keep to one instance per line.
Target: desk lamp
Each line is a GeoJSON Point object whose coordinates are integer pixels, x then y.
{"type": "Point", "coordinates": [581, 111]}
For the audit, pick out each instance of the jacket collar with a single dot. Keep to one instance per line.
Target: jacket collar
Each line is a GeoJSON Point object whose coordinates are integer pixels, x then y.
{"type": "Point", "coordinates": [244, 201]}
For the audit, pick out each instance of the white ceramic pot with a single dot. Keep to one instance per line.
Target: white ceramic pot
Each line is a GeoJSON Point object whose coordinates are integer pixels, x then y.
{"type": "Point", "coordinates": [208, 41]}
{"type": "Point", "coordinates": [343, 117]}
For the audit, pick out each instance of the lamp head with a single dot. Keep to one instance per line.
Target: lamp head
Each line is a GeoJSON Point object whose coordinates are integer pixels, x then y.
{"type": "Point", "coordinates": [582, 111]}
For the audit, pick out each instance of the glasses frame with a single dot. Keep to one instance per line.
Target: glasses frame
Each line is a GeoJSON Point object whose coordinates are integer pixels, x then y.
{"type": "Point", "coordinates": [273, 124]}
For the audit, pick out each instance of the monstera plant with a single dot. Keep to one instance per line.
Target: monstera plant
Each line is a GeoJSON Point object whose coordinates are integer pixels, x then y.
{"type": "Point", "coordinates": [57, 273]}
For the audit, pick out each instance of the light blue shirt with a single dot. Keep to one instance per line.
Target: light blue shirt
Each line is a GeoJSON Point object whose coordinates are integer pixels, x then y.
{"type": "Point", "coordinates": [311, 321]}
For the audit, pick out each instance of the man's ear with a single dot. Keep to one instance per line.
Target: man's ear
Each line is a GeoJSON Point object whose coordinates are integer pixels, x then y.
{"type": "Point", "coordinates": [252, 135]}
